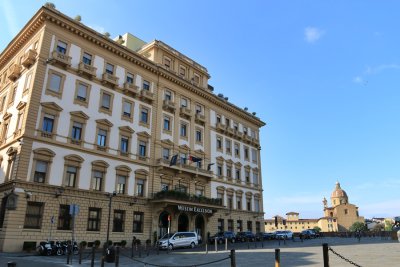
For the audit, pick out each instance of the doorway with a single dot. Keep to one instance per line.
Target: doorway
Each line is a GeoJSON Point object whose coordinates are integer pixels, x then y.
{"type": "Point", "coordinates": [183, 223]}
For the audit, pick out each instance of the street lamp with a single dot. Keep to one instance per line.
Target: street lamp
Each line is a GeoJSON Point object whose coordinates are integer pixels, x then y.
{"type": "Point", "coordinates": [110, 195]}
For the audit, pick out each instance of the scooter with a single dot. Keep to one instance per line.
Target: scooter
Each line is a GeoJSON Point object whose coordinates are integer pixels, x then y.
{"type": "Point", "coordinates": [48, 248]}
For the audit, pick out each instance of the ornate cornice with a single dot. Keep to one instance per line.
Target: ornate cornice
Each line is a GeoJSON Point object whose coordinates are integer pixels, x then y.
{"type": "Point", "coordinates": [45, 14]}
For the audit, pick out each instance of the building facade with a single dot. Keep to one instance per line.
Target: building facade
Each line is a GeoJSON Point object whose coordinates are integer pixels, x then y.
{"type": "Point", "coordinates": [339, 217]}
{"type": "Point", "coordinates": [118, 137]}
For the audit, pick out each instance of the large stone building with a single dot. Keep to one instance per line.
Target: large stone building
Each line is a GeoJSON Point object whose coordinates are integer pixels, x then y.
{"type": "Point", "coordinates": [83, 116]}
{"type": "Point", "coordinates": [339, 217]}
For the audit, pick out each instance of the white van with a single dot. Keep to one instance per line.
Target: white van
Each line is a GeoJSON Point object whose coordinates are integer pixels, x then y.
{"type": "Point", "coordinates": [178, 239]}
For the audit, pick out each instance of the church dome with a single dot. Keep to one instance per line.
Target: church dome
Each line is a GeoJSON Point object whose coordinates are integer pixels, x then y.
{"type": "Point", "coordinates": [339, 192]}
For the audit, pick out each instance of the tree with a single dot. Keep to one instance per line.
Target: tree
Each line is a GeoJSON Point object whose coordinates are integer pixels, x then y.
{"type": "Point", "coordinates": [378, 227]}
{"type": "Point", "coordinates": [317, 229]}
{"type": "Point", "coordinates": [358, 226]}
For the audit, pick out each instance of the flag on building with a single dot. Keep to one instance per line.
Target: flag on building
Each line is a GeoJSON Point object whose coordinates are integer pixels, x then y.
{"type": "Point", "coordinates": [173, 160]}
{"type": "Point", "coordinates": [195, 159]}
{"type": "Point", "coordinates": [209, 166]}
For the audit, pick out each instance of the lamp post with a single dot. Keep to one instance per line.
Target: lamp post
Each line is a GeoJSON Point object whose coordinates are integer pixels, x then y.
{"type": "Point", "coordinates": [110, 195]}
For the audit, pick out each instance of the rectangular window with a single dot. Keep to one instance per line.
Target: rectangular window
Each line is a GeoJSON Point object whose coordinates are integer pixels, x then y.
{"type": "Point", "coordinates": [184, 103]}
{"type": "Point", "coordinates": [183, 130]}
{"type": "Point", "coordinates": [102, 138]}
{"type": "Point", "coordinates": [144, 115]}
{"type": "Point", "coordinates": [97, 180]}
{"type": "Point", "coordinates": [76, 133]}
{"type": "Point", "coordinates": [239, 203]}
{"type": "Point", "coordinates": [110, 68]}
{"type": "Point", "coordinates": [239, 225]}
{"type": "Point", "coordinates": [246, 153]}
{"type": "Point", "coordinates": [247, 176]}
{"type": "Point", "coordinates": [219, 143]}
{"type": "Point", "coordinates": [146, 85]}
{"type": "Point", "coordinates": [33, 215]}
{"type": "Point", "coordinates": [255, 178]}
{"type": "Point", "coordinates": [119, 221]}
{"type": "Point", "coordinates": [199, 109]}
{"type": "Point", "coordinates": [129, 78]}
{"type": "Point", "coordinates": [140, 187]}
{"type": "Point", "coordinates": [220, 225]}
{"type": "Point", "coordinates": [94, 219]}
{"type": "Point", "coordinates": [237, 150]}
{"type": "Point", "coordinates": [168, 95]}
{"type": "Point", "coordinates": [182, 71]}
{"type": "Point", "coordinates": [249, 226]}
{"type": "Point", "coordinates": [229, 172]}
{"type": "Point", "coordinates": [230, 226]}
{"type": "Point", "coordinates": [55, 82]}
{"type": "Point", "coordinates": [106, 101]}
{"type": "Point", "coordinates": [228, 144]}
{"type": "Point", "coordinates": [40, 171]}
{"type": "Point", "coordinates": [124, 144]}
{"type": "Point", "coordinates": [87, 58]}
{"type": "Point", "coordinates": [142, 149]}
{"type": "Point", "coordinates": [13, 94]}
{"type": "Point", "coordinates": [121, 184]}
{"type": "Point", "coordinates": [167, 125]}
{"type": "Point", "coordinates": [138, 221]}
{"type": "Point", "coordinates": [198, 136]}
{"type": "Point", "coordinates": [237, 174]}
{"type": "Point", "coordinates": [165, 152]}
{"type": "Point", "coordinates": [3, 102]}
{"type": "Point", "coordinates": [48, 123]}
{"type": "Point", "coordinates": [70, 178]}
{"type": "Point", "coordinates": [219, 170]}
{"type": "Point", "coordinates": [167, 63]}
{"type": "Point", "coordinates": [64, 218]}
{"type": "Point", "coordinates": [61, 47]}
{"type": "Point", "coordinates": [254, 155]}
{"type": "Point", "coordinates": [248, 204]}
{"type": "Point", "coordinates": [127, 109]}
{"type": "Point", "coordinates": [256, 205]}
{"type": "Point", "coordinates": [82, 92]}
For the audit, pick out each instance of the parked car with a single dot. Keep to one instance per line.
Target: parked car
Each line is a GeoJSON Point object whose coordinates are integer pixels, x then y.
{"type": "Point", "coordinates": [307, 234]}
{"type": "Point", "coordinates": [284, 234]}
{"type": "Point", "coordinates": [264, 236]}
{"type": "Point", "coordinates": [245, 236]}
{"type": "Point", "coordinates": [178, 239]}
{"type": "Point", "coordinates": [221, 236]}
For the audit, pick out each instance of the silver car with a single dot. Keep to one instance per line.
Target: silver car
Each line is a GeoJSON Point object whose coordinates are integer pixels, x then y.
{"type": "Point", "coordinates": [178, 239]}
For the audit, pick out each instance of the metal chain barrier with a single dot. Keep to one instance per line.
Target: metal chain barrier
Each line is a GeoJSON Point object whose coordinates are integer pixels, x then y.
{"type": "Point", "coordinates": [343, 258]}
{"type": "Point", "coordinates": [156, 265]}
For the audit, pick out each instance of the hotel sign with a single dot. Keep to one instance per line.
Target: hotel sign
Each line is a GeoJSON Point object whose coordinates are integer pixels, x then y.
{"type": "Point", "coordinates": [194, 209]}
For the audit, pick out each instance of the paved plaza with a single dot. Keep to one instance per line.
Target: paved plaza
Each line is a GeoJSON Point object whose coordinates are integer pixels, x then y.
{"type": "Point", "coordinates": [371, 252]}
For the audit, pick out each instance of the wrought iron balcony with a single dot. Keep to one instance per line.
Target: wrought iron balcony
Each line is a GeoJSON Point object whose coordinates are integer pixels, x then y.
{"type": "Point", "coordinates": [184, 167]}
{"type": "Point", "coordinates": [29, 58]}
{"type": "Point", "coordinates": [87, 69]}
{"type": "Point", "coordinates": [185, 197]}
{"type": "Point", "coordinates": [61, 59]}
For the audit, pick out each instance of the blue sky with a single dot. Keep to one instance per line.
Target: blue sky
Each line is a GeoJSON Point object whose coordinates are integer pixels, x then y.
{"type": "Point", "coordinates": [323, 75]}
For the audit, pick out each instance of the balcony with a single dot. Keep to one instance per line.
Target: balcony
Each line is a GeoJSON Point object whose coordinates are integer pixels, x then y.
{"type": "Point", "coordinates": [230, 131]}
{"type": "Point", "coordinates": [87, 70]}
{"type": "Point", "coordinates": [169, 105]}
{"type": "Point", "coordinates": [178, 196]}
{"type": "Point", "coordinates": [255, 141]}
{"type": "Point", "coordinates": [146, 95]}
{"type": "Point", "coordinates": [246, 138]}
{"type": "Point", "coordinates": [29, 58]}
{"type": "Point", "coordinates": [238, 134]}
{"type": "Point", "coordinates": [220, 127]}
{"type": "Point", "coordinates": [200, 118]}
{"type": "Point", "coordinates": [185, 112]}
{"type": "Point", "coordinates": [162, 163]}
{"type": "Point", "coordinates": [14, 72]}
{"type": "Point", "coordinates": [110, 79]}
{"type": "Point", "coordinates": [131, 88]}
{"type": "Point", "coordinates": [62, 59]}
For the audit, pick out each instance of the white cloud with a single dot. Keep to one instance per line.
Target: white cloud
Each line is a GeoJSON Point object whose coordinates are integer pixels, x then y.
{"type": "Point", "coordinates": [373, 70]}
{"type": "Point", "coordinates": [313, 34]}
{"type": "Point", "coordinates": [11, 18]}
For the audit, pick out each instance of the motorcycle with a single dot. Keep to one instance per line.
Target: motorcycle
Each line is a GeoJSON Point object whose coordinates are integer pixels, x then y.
{"type": "Point", "coordinates": [67, 247]}
{"type": "Point", "coordinates": [48, 248]}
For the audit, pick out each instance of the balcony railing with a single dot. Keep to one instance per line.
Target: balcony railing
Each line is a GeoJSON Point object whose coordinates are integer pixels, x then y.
{"type": "Point", "coordinates": [61, 59]}
{"type": "Point", "coordinates": [14, 72]}
{"type": "Point", "coordinates": [192, 169]}
{"type": "Point", "coordinates": [182, 196]}
{"type": "Point", "coordinates": [146, 95]}
{"type": "Point", "coordinates": [29, 58]}
{"type": "Point", "coordinates": [169, 105]}
{"type": "Point", "coordinates": [87, 69]}
{"type": "Point", "coordinates": [221, 127]}
{"type": "Point", "coordinates": [230, 131]}
{"type": "Point", "coordinates": [110, 79]}
{"type": "Point", "coordinates": [184, 111]}
{"type": "Point", "coordinates": [200, 118]}
{"type": "Point", "coordinates": [131, 88]}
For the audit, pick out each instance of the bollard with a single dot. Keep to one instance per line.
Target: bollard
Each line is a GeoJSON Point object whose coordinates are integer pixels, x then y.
{"type": "Point", "coordinates": [206, 248]}
{"type": "Point", "coordinates": [215, 243]}
{"type": "Point", "coordinates": [117, 257]}
{"type": "Point", "coordinates": [279, 240]}
{"type": "Point", "coordinates": [277, 257]}
{"type": "Point", "coordinates": [284, 240]}
{"type": "Point", "coordinates": [11, 264]}
{"type": "Point", "coordinates": [325, 254]}
{"type": "Point", "coordinates": [226, 243]}
{"type": "Point", "coordinates": [93, 256]}
{"type": "Point", "coordinates": [140, 252]}
{"type": "Point", "coordinates": [80, 255]}
{"type": "Point", "coordinates": [248, 244]}
{"type": "Point", "coordinates": [233, 258]}
{"type": "Point", "coordinates": [68, 256]}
